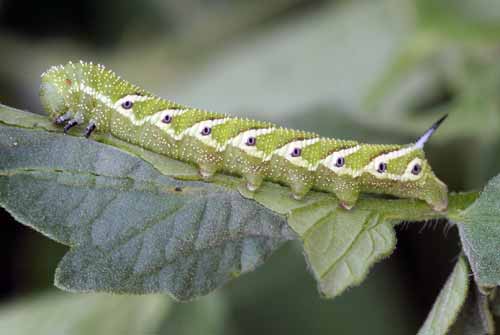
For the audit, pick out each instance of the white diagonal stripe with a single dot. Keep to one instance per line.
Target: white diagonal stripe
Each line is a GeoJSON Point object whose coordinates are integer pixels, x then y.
{"type": "Point", "coordinates": [105, 100]}
{"type": "Point", "coordinates": [240, 140]}
{"type": "Point", "coordinates": [196, 131]}
{"type": "Point", "coordinates": [286, 152]}
{"type": "Point", "coordinates": [331, 161]}
{"type": "Point", "coordinates": [372, 167]}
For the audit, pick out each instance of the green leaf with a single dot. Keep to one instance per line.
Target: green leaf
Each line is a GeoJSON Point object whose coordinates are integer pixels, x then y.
{"type": "Point", "coordinates": [465, 19]}
{"type": "Point", "coordinates": [449, 302]}
{"type": "Point", "coordinates": [133, 229]}
{"type": "Point", "coordinates": [130, 228]}
{"type": "Point", "coordinates": [480, 235]}
{"type": "Point", "coordinates": [341, 246]}
{"type": "Point", "coordinates": [99, 314]}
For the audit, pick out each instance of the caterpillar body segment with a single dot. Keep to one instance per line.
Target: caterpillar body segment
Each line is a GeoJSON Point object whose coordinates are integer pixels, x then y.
{"type": "Point", "coordinates": [87, 94]}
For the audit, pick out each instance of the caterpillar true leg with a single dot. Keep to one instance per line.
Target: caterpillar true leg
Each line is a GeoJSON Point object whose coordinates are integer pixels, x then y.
{"type": "Point", "coordinates": [70, 124]}
{"type": "Point", "coordinates": [62, 119]}
{"type": "Point", "coordinates": [78, 119]}
{"type": "Point", "coordinates": [89, 129]}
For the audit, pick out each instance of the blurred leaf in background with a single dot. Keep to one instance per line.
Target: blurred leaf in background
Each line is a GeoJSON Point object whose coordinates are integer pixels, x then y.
{"type": "Point", "coordinates": [64, 313]}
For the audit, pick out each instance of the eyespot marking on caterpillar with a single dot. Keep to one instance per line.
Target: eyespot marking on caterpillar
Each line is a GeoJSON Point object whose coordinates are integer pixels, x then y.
{"type": "Point", "coordinates": [380, 164]}
{"type": "Point", "coordinates": [130, 99]}
{"type": "Point", "coordinates": [206, 131]}
{"type": "Point", "coordinates": [203, 130]}
{"type": "Point", "coordinates": [167, 118]}
{"type": "Point", "coordinates": [382, 167]}
{"type": "Point", "coordinates": [114, 106]}
{"type": "Point", "coordinates": [293, 151]}
{"type": "Point", "coordinates": [164, 120]}
{"type": "Point", "coordinates": [416, 169]}
{"type": "Point", "coordinates": [127, 104]}
{"type": "Point", "coordinates": [411, 173]}
{"type": "Point", "coordinates": [251, 141]}
{"type": "Point", "coordinates": [296, 152]}
{"type": "Point", "coordinates": [330, 162]}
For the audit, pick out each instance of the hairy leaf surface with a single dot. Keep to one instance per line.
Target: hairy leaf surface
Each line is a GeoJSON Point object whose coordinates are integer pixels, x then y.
{"type": "Point", "coordinates": [130, 228]}
{"type": "Point", "coordinates": [342, 246]}
{"type": "Point", "coordinates": [480, 235]}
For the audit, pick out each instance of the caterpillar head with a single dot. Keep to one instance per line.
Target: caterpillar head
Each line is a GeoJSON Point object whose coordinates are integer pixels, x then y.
{"type": "Point", "coordinates": [411, 174]}
{"type": "Point", "coordinates": [79, 88]}
{"type": "Point", "coordinates": [423, 183]}
{"type": "Point", "coordinates": [53, 92]}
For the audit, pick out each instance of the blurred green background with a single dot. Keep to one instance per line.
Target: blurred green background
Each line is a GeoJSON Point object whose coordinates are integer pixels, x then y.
{"type": "Point", "coordinates": [373, 70]}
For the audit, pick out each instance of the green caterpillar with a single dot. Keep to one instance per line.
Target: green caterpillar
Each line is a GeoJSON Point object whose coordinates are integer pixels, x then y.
{"type": "Point", "coordinates": [84, 93]}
